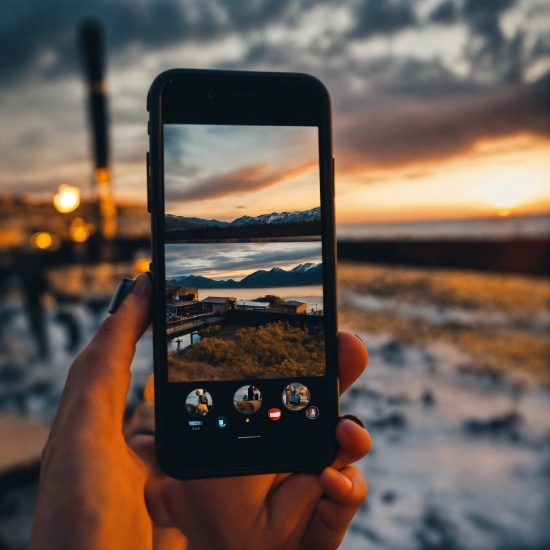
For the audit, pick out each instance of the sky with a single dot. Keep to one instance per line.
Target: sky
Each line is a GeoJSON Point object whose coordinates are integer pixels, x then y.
{"type": "Point", "coordinates": [223, 261]}
{"type": "Point", "coordinates": [225, 172]}
{"type": "Point", "coordinates": [440, 107]}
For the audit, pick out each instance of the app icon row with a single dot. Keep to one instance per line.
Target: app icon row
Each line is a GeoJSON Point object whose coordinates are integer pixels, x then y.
{"type": "Point", "coordinates": [248, 399]}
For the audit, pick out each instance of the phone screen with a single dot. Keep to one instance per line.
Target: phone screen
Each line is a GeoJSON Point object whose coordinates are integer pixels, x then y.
{"type": "Point", "coordinates": [245, 321]}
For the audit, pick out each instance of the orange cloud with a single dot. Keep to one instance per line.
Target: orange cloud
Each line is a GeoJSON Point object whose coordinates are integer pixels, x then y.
{"type": "Point", "coordinates": [244, 180]}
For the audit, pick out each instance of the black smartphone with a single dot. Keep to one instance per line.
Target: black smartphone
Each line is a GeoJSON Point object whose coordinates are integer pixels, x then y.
{"type": "Point", "coordinates": [241, 195]}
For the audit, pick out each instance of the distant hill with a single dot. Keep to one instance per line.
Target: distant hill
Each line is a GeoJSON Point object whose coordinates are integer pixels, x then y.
{"type": "Point", "coordinates": [301, 275]}
{"type": "Point", "coordinates": [302, 223]}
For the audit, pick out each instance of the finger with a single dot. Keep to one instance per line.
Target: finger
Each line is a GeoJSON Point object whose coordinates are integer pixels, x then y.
{"type": "Point", "coordinates": [157, 481]}
{"type": "Point", "coordinates": [345, 490]}
{"type": "Point", "coordinates": [352, 359]}
{"type": "Point", "coordinates": [99, 378]}
{"type": "Point", "coordinates": [166, 538]}
{"type": "Point", "coordinates": [354, 443]}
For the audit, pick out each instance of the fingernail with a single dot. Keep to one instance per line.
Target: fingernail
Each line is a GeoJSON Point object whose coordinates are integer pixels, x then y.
{"type": "Point", "coordinates": [347, 481]}
{"type": "Point", "coordinates": [141, 286]}
{"type": "Point", "coordinates": [355, 419]}
{"type": "Point", "coordinates": [124, 288]}
{"type": "Point", "coordinates": [359, 337]}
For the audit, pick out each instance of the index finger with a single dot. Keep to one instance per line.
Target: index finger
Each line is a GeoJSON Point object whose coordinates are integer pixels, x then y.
{"type": "Point", "coordinates": [99, 378]}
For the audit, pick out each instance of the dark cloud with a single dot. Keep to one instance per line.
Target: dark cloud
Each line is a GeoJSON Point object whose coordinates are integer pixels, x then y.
{"type": "Point", "coordinates": [382, 17]}
{"type": "Point", "coordinates": [29, 29]}
{"type": "Point", "coordinates": [181, 259]}
{"type": "Point", "coordinates": [445, 13]}
{"type": "Point", "coordinates": [244, 180]}
{"type": "Point", "coordinates": [428, 130]}
{"type": "Point", "coordinates": [388, 110]}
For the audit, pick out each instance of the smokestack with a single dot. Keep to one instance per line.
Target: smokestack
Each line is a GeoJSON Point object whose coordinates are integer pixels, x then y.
{"type": "Point", "coordinates": [93, 54]}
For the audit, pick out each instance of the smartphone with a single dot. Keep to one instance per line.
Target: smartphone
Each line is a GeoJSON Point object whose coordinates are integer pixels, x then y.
{"type": "Point", "coordinates": [241, 196]}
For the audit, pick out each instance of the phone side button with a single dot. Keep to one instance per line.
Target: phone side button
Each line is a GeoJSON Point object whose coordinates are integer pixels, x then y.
{"type": "Point", "coordinates": [148, 169]}
{"type": "Point", "coordinates": [333, 175]}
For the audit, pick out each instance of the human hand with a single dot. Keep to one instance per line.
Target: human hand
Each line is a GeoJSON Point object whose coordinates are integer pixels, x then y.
{"type": "Point", "coordinates": [92, 484]}
{"type": "Point", "coordinates": [266, 511]}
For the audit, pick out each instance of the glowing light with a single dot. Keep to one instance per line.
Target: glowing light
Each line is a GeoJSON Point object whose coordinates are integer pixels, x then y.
{"type": "Point", "coordinates": [141, 265]}
{"type": "Point", "coordinates": [67, 198]}
{"type": "Point", "coordinates": [79, 230]}
{"type": "Point", "coordinates": [42, 240]}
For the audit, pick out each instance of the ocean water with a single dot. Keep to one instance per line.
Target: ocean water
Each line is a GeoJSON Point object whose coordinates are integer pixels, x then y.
{"type": "Point", "coordinates": [484, 228]}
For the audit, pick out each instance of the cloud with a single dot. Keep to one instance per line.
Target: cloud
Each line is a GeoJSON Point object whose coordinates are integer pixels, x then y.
{"type": "Point", "coordinates": [30, 29]}
{"type": "Point", "coordinates": [382, 17]}
{"type": "Point", "coordinates": [446, 13]}
{"type": "Point", "coordinates": [389, 108]}
{"type": "Point", "coordinates": [217, 259]}
{"type": "Point", "coordinates": [403, 133]}
{"type": "Point", "coordinates": [244, 180]}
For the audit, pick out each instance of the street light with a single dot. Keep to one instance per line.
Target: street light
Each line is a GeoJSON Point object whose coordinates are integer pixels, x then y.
{"type": "Point", "coordinates": [67, 198]}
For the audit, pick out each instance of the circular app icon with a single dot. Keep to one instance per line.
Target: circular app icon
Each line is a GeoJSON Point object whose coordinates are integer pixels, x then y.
{"type": "Point", "coordinates": [296, 396]}
{"type": "Point", "coordinates": [274, 414]}
{"type": "Point", "coordinates": [312, 412]}
{"type": "Point", "coordinates": [247, 399]}
{"type": "Point", "coordinates": [198, 402]}
{"type": "Point", "coordinates": [221, 422]}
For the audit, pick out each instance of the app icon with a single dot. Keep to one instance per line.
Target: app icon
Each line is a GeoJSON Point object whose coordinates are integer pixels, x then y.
{"type": "Point", "coordinates": [274, 414]}
{"type": "Point", "coordinates": [295, 396]}
{"type": "Point", "coordinates": [247, 399]}
{"type": "Point", "coordinates": [312, 413]}
{"type": "Point", "coordinates": [221, 422]}
{"type": "Point", "coordinates": [198, 402]}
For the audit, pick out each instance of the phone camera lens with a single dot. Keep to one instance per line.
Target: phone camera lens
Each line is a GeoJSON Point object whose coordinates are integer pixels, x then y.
{"type": "Point", "coordinates": [211, 95]}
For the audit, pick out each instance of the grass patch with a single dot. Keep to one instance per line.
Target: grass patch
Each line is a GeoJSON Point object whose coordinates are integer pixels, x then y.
{"type": "Point", "coordinates": [274, 350]}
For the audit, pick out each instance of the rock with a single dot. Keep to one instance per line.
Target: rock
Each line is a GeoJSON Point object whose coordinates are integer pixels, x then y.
{"type": "Point", "coordinates": [388, 497]}
{"type": "Point", "coordinates": [392, 420]}
{"type": "Point", "coordinates": [505, 425]}
{"type": "Point", "coordinates": [427, 398]}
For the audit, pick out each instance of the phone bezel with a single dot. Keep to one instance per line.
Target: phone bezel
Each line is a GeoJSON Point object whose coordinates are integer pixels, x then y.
{"type": "Point", "coordinates": [279, 99]}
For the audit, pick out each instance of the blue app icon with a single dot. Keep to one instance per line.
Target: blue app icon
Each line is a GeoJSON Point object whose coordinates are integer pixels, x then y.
{"type": "Point", "coordinates": [221, 422]}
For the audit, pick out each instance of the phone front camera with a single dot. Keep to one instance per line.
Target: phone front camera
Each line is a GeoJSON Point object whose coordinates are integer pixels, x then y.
{"type": "Point", "coordinates": [211, 95]}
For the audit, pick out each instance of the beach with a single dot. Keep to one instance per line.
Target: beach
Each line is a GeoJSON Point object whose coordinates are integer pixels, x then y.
{"type": "Point", "coordinates": [457, 400]}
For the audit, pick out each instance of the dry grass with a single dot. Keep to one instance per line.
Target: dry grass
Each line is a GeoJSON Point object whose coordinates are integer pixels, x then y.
{"type": "Point", "coordinates": [274, 350]}
{"type": "Point", "coordinates": [466, 289]}
{"type": "Point", "coordinates": [519, 351]}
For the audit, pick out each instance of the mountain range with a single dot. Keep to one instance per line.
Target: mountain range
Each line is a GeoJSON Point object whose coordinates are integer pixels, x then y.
{"type": "Point", "coordinates": [302, 274]}
{"type": "Point", "coordinates": [173, 222]}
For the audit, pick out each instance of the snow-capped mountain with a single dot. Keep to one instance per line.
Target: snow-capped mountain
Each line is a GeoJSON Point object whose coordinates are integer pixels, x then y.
{"type": "Point", "coordinates": [303, 274]}
{"type": "Point", "coordinates": [278, 218]}
{"type": "Point", "coordinates": [275, 218]}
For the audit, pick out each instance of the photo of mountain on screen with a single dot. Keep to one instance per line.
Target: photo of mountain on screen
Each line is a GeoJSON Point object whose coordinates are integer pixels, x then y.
{"type": "Point", "coordinates": [243, 253]}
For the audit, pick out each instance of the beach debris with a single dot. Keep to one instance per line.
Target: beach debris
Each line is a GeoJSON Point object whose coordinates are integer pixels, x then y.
{"type": "Point", "coordinates": [436, 530]}
{"type": "Point", "coordinates": [392, 353]}
{"type": "Point", "coordinates": [504, 425]}
{"type": "Point", "coordinates": [427, 398]}
{"type": "Point", "coordinates": [392, 420]}
{"type": "Point", "coordinates": [388, 497]}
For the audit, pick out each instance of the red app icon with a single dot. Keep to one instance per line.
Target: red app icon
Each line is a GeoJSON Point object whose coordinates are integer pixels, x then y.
{"type": "Point", "coordinates": [274, 414]}
{"type": "Point", "coordinates": [312, 413]}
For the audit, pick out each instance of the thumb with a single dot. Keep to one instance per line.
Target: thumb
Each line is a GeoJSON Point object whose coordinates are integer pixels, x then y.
{"type": "Point", "coordinates": [98, 380]}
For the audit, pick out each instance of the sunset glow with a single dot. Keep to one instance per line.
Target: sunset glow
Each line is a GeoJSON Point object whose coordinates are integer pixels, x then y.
{"type": "Point", "coordinates": [508, 174]}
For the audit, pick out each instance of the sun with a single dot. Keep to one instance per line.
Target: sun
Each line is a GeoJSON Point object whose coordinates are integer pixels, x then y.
{"type": "Point", "coordinates": [509, 191]}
